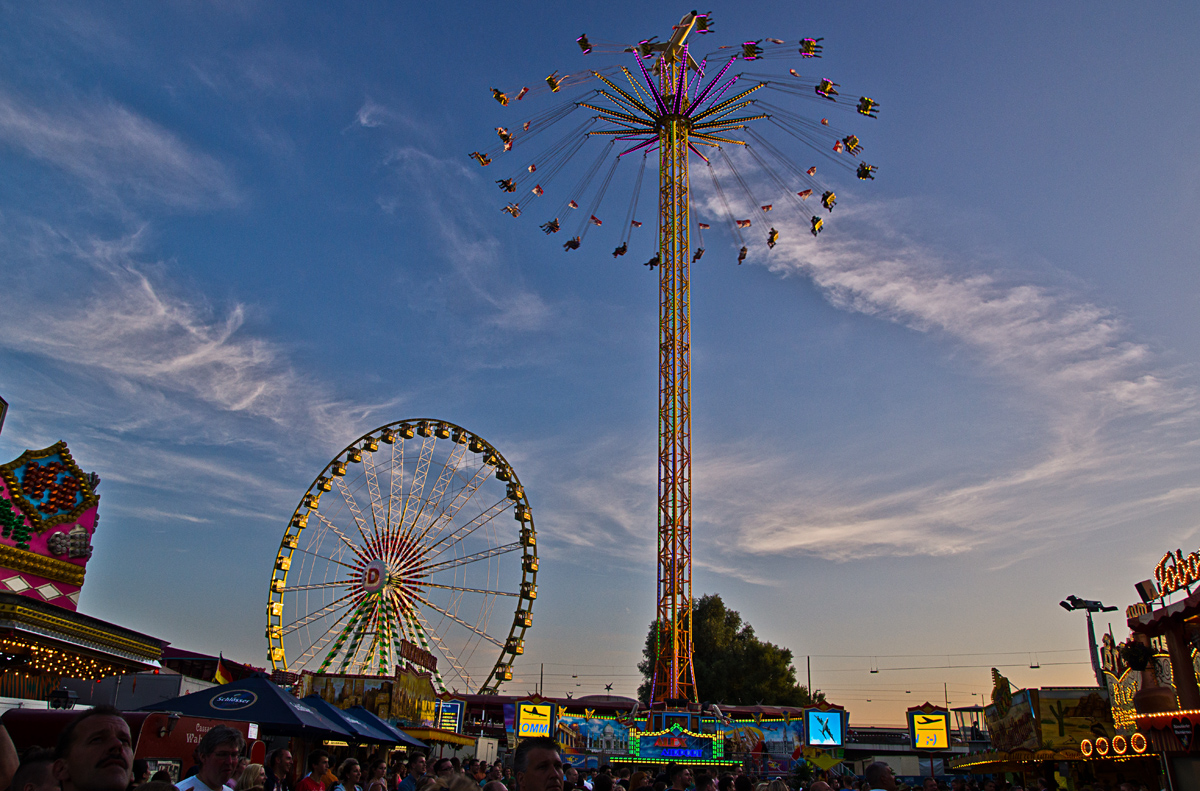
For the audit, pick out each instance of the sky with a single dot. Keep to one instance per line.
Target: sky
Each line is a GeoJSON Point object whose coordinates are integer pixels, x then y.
{"type": "Point", "coordinates": [236, 236]}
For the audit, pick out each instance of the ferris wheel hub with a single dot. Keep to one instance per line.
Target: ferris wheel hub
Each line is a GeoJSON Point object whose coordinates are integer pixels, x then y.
{"type": "Point", "coordinates": [375, 576]}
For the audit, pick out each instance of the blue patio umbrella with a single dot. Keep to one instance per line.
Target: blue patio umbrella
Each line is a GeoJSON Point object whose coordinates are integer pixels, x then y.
{"type": "Point", "coordinates": [401, 736]}
{"type": "Point", "coordinates": [255, 699]}
{"type": "Point", "coordinates": [352, 721]}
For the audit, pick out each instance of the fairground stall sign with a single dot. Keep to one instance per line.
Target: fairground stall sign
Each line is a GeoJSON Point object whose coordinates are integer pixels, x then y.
{"type": "Point", "coordinates": [1175, 572]}
{"type": "Point", "coordinates": [676, 745]}
{"type": "Point", "coordinates": [416, 655]}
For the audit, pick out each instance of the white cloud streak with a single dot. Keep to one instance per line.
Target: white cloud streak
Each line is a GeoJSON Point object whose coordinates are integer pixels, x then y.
{"type": "Point", "coordinates": [1119, 431]}
{"type": "Point", "coordinates": [474, 255]}
{"type": "Point", "coordinates": [180, 361]}
{"type": "Point", "coordinates": [116, 153]}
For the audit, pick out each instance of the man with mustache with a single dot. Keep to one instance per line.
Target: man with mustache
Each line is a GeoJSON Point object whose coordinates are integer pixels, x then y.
{"type": "Point", "coordinates": [218, 755]}
{"type": "Point", "coordinates": [94, 752]}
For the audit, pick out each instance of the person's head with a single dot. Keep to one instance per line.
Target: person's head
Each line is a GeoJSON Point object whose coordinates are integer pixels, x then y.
{"type": "Point", "coordinates": [704, 782]}
{"type": "Point", "coordinates": [880, 775]}
{"type": "Point", "coordinates": [743, 783]}
{"type": "Point", "coordinates": [161, 776]}
{"type": "Point", "coordinates": [495, 785]}
{"type": "Point", "coordinates": [457, 764]}
{"type": "Point", "coordinates": [318, 763]}
{"type": "Point", "coordinates": [35, 773]}
{"type": "Point", "coordinates": [930, 784]}
{"type": "Point", "coordinates": [820, 785]}
{"type": "Point", "coordinates": [679, 776]}
{"type": "Point", "coordinates": [725, 782]}
{"type": "Point", "coordinates": [571, 775]}
{"type": "Point", "coordinates": [218, 754]}
{"type": "Point", "coordinates": [416, 765]}
{"type": "Point", "coordinates": [349, 773]}
{"type": "Point", "coordinates": [281, 762]}
{"type": "Point", "coordinates": [94, 752]}
{"type": "Point", "coordinates": [493, 773]}
{"type": "Point", "coordinates": [602, 783]}
{"type": "Point", "coordinates": [141, 771]}
{"type": "Point", "coordinates": [637, 780]}
{"type": "Point", "coordinates": [253, 776]}
{"type": "Point", "coordinates": [537, 765]}
{"type": "Point", "coordinates": [777, 785]}
{"type": "Point", "coordinates": [989, 785]}
{"type": "Point", "coordinates": [443, 767]}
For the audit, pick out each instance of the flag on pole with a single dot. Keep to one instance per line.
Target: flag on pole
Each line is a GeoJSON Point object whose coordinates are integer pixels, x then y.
{"type": "Point", "coordinates": [222, 675]}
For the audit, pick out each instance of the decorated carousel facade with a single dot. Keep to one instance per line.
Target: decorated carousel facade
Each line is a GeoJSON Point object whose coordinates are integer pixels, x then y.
{"type": "Point", "coordinates": [49, 511]}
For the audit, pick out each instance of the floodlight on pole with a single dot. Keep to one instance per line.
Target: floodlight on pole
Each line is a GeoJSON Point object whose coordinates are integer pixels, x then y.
{"type": "Point", "coordinates": [1072, 603]}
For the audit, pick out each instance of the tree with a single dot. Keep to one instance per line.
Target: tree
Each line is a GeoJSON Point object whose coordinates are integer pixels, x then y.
{"type": "Point", "coordinates": [732, 665]}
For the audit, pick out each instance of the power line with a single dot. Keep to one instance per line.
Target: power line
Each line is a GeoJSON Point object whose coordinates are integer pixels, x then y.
{"type": "Point", "coordinates": [939, 653]}
{"type": "Point", "coordinates": [944, 667]}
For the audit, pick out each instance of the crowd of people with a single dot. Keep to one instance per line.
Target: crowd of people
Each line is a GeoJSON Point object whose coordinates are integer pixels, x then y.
{"type": "Point", "coordinates": [95, 753]}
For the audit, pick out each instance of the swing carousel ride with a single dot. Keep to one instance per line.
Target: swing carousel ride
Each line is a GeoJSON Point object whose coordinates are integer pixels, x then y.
{"type": "Point", "coordinates": [676, 110]}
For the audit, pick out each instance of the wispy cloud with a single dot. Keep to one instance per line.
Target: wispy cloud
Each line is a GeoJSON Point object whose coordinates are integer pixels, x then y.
{"type": "Point", "coordinates": [115, 152]}
{"type": "Point", "coordinates": [177, 358]}
{"type": "Point", "coordinates": [1118, 430]}
{"type": "Point", "coordinates": [434, 185]}
{"type": "Point", "coordinates": [370, 114]}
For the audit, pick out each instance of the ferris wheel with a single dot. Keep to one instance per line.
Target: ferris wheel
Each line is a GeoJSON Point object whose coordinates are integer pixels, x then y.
{"type": "Point", "coordinates": [416, 541]}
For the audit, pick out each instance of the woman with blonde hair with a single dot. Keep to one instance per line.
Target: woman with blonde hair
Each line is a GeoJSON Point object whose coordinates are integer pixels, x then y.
{"type": "Point", "coordinates": [252, 778]}
{"type": "Point", "coordinates": [349, 773]}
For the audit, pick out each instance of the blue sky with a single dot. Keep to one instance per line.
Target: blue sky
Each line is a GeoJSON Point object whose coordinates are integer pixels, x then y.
{"type": "Point", "coordinates": [235, 236]}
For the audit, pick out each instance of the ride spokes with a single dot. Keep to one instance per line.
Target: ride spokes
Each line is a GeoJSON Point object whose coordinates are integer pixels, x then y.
{"type": "Point", "coordinates": [415, 539]}
{"type": "Point", "coordinates": [627, 107]}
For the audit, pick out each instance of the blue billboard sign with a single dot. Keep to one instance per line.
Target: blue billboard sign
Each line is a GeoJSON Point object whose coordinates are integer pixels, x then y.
{"type": "Point", "coordinates": [825, 728]}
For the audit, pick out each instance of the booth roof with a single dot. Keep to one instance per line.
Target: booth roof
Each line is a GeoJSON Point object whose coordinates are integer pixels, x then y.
{"type": "Point", "coordinates": [401, 736]}
{"type": "Point", "coordinates": [255, 699]}
{"type": "Point", "coordinates": [350, 720]}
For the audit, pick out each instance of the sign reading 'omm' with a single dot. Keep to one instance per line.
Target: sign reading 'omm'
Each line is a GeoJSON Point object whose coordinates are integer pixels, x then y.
{"type": "Point", "coordinates": [533, 719]}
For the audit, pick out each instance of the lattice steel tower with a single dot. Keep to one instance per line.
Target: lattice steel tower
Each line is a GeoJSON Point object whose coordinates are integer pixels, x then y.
{"type": "Point", "coordinates": [665, 111]}
{"type": "Point", "coordinates": [674, 677]}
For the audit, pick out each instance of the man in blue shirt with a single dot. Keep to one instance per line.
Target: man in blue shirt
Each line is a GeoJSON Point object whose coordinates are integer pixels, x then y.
{"type": "Point", "coordinates": [416, 770]}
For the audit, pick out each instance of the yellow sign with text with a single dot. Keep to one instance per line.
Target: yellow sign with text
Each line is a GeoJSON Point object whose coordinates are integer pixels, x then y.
{"type": "Point", "coordinates": [931, 731]}
{"type": "Point", "coordinates": [533, 719]}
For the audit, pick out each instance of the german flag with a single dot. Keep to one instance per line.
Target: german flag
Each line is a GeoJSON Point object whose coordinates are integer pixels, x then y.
{"type": "Point", "coordinates": [222, 675]}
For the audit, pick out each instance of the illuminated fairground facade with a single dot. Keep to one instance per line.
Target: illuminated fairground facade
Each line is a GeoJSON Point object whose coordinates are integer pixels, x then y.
{"type": "Point", "coordinates": [48, 515]}
{"type": "Point", "coordinates": [610, 729]}
{"type": "Point", "coordinates": [1147, 731]}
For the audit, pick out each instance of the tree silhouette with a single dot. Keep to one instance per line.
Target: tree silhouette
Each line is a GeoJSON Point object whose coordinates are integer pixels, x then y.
{"type": "Point", "coordinates": [732, 665]}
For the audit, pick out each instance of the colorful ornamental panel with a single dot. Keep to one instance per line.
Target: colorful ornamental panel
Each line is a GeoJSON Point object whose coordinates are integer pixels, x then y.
{"type": "Point", "coordinates": [676, 745]}
{"type": "Point", "coordinates": [47, 518]}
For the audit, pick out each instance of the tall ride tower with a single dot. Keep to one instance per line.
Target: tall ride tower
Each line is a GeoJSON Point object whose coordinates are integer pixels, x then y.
{"type": "Point", "coordinates": [662, 110]}
{"type": "Point", "coordinates": [674, 677]}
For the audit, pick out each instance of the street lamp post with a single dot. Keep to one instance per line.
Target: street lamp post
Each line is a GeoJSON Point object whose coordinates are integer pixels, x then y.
{"type": "Point", "coordinates": [1072, 603]}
